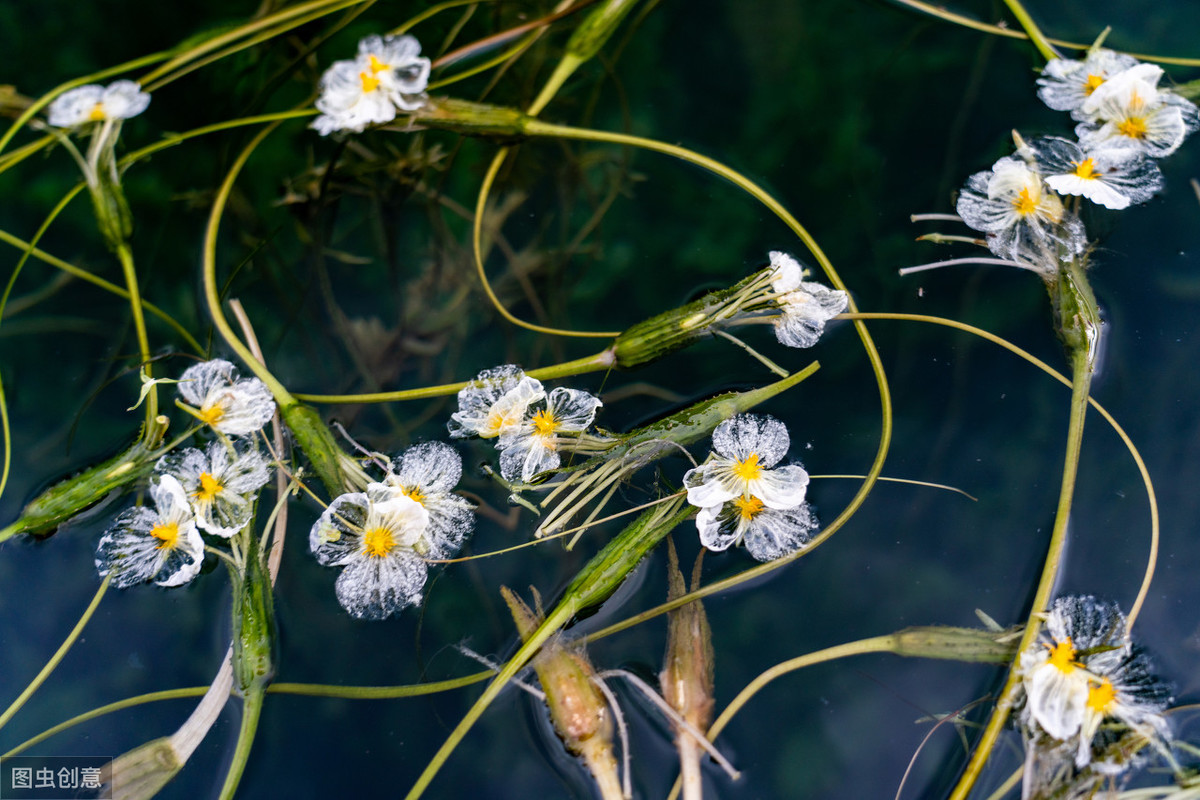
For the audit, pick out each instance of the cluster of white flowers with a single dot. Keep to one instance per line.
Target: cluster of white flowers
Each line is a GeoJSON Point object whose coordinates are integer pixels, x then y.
{"type": "Point", "coordinates": [1086, 688]}
{"type": "Point", "coordinates": [95, 103]}
{"type": "Point", "coordinates": [1125, 122]}
{"type": "Point", "coordinates": [383, 537]}
{"type": "Point", "coordinates": [805, 306]}
{"type": "Point", "coordinates": [211, 491]}
{"type": "Point", "coordinates": [744, 497]}
{"type": "Point", "coordinates": [531, 425]}
{"type": "Point", "coordinates": [388, 75]}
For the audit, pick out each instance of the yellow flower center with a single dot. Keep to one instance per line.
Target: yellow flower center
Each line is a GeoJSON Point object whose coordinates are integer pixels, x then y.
{"type": "Point", "coordinates": [1062, 656]}
{"type": "Point", "coordinates": [1092, 83]}
{"type": "Point", "coordinates": [748, 507]}
{"type": "Point", "coordinates": [413, 494]}
{"type": "Point", "coordinates": [369, 82]}
{"type": "Point", "coordinates": [375, 65]}
{"type": "Point", "coordinates": [210, 487]}
{"type": "Point", "coordinates": [97, 113]}
{"type": "Point", "coordinates": [749, 469]}
{"type": "Point", "coordinates": [167, 533]}
{"type": "Point", "coordinates": [211, 415]}
{"type": "Point", "coordinates": [1133, 127]}
{"type": "Point", "coordinates": [1023, 203]}
{"type": "Point", "coordinates": [378, 542]}
{"type": "Point", "coordinates": [1085, 169]}
{"type": "Point", "coordinates": [1101, 698]}
{"type": "Point", "coordinates": [544, 423]}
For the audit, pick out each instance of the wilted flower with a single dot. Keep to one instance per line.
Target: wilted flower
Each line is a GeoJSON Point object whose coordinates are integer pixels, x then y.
{"type": "Point", "coordinates": [381, 546]}
{"type": "Point", "coordinates": [161, 545]}
{"type": "Point", "coordinates": [743, 497]}
{"type": "Point", "coordinates": [228, 404]}
{"type": "Point", "coordinates": [427, 473]}
{"type": "Point", "coordinates": [1128, 110]}
{"type": "Point", "coordinates": [494, 403]}
{"type": "Point", "coordinates": [1113, 177]}
{"type": "Point", "coordinates": [806, 305]}
{"type": "Point", "coordinates": [387, 75]}
{"type": "Point", "coordinates": [95, 103]}
{"type": "Point", "coordinates": [532, 445]}
{"type": "Point", "coordinates": [221, 483]}
{"type": "Point", "coordinates": [1067, 83]}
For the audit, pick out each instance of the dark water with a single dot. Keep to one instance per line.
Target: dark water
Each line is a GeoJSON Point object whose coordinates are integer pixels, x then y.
{"type": "Point", "coordinates": [855, 115]}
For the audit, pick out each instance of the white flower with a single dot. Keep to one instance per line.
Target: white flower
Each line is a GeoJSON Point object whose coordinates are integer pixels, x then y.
{"type": "Point", "coordinates": [1066, 84]}
{"type": "Point", "coordinates": [806, 305]}
{"type": "Point", "coordinates": [1114, 177]}
{"type": "Point", "coordinates": [161, 545]}
{"type": "Point", "coordinates": [494, 403]}
{"type": "Point", "coordinates": [1128, 110]}
{"type": "Point", "coordinates": [95, 103]}
{"type": "Point", "coordinates": [221, 484]}
{"type": "Point", "coordinates": [532, 445]}
{"type": "Point", "coordinates": [231, 406]}
{"type": "Point", "coordinates": [768, 533]}
{"type": "Point", "coordinates": [387, 75]}
{"type": "Point", "coordinates": [381, 547]}
{"type": "Point", "coordinates": [746, 448]}
{"type": "Point", "coordinates": [427, 473]}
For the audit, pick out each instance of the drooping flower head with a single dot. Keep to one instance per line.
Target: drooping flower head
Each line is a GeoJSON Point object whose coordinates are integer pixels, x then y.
{"type": "Point", "coordinates": [221, 483]}
{"type": "Point", "coordinates": [427, 473]}
{"type": "Point", "coordinates": [744, 497]}
{"type": "Point", "coordinates": [806, 305]}
{"type": "Point", "coordinates": [1066, 84]}
{"type": "Point", "coordinates": [532, 445]}
{"type": "Point", "coordinates": [388, 74]}
{"type": "Point", "coordinates": [1129, 110]}
{"type": "Point", "coordinates": [494, 403]}
{"type": "Point", "coordinates": [95, 103]}
{"type": "Point", "coordinates": [381, 546]}
{"type": "Point", "coordinates": [160, 545]}
{"type": "Point", "coordinates": [229, 404]}
{"type": "Point", "coordinates": [1113, 177]}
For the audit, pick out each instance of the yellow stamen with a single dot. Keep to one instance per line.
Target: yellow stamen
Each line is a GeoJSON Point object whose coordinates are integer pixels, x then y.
{"type": "Point", "coordinates": [1024, 204]}
{"type": "Point", "coordinates": [1101, 698]}
{"type": "Point", "coordinates": [1085, 169]}
{"type": "Point", "coordinates": [369, 82]}
{"type": "Point", "coordinates": [1062, 656]}
{"type": "Point", "coordinates": [413, 494]}
{"type": "Point", "coordinates": [168, 533]}
{"type": "Point", "coordinates": [1133, 127]}
{"type": "Point", "coordinates": [375, 65]}
{"type": "Point", "coordinates": [210, 487]}
{"type": "Point", "coordinates": [1092, 83]}
{"type": "Point", "coordinates": [749, 469]}
{"type": "Point", "coordinates": [97, 113]}
{"type": "Point", "coordinates": [748, 507]}
{"type": "Point", "coordinates": [544, 423]}
{"type": "Point", "coordinates": [211, 415]}
{"type": "Point", "coordinates": [378, 542]}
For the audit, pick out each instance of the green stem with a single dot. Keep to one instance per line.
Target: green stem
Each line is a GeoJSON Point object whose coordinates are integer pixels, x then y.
{"type": "Point", "coordinates": [595, 363]}
{"type": "Point", "coordinates": [251, 710]}
{"type": "Point", "coordinates": [139, 325]}
{"type": "Point", "coordinates": [58, 655]}
{"type": "Point", "coordinates": [1035, 33]}
{"type": "Point", "coordinates": [1080, 386]}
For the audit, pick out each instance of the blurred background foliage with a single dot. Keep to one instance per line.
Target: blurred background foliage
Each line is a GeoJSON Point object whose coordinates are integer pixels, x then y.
{"type": "Point", "coordinates": [353, 261]}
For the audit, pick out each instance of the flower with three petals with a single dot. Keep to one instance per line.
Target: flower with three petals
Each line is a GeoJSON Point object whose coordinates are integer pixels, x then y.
{"type": "Point", "coordinates": [95, 103]}
{"type": "Point", "coordinates": [494, 403]}
{"type": "Point", "coordinates": [388, 74]}
{"type": "Point", "coordinates": [744, 497]}
{"type": "Point", "coordinates": [221, 483]}
{"type": "Point", "coordinates": [532, 445]}
{"type": "Point", "coordinates": [230, 405]}
{"type": "Point", "coordinates": [160, 545]}
{"type": "Point", "coordinates": [806, 305]}
{"type": "Point", "coordinates": [1113, 177]}
{"type": "Point", "coordinates": [1066, 84]}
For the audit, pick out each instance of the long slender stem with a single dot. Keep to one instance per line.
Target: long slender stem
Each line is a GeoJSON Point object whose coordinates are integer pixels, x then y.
{"type": "Point", "coordinates": [1035, 33]}
{"type": "Point", "coordinates": [139, 325]}
{"type": "Point", "coordinates": [251, 710]}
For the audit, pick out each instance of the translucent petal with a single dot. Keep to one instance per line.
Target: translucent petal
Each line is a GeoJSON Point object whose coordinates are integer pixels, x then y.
{"type": "Point", "coordinates": [431, 466]}
{"type": "Point", "coordinates": [494, 402]}
{"type": "Point", "coordinates": [781, 488]}
{"type": "Point", "coordinates": [745, 434]}
{"type": "Point", "coordinates": [451, 522]}
{"type": "Point", "coordinates": [1057, 699]}
{"type": "Point", "coordinates": [711, 484]}
{"type": "Point", "coordinates": [376, 588]}
{"type": "Point", "coordinates": [719, 527]}
{"type": "Point", "coordinates": [787, 272]}
{"type": "Point", "coordinates": [573, 410]}
{"type": "Point", "coordinates": [334, 537]}
{"type": "Point", "coordinates": [805, 312]}
{"type": "Point", "coordinates": [526, 456]}
{"type": "Point", "coordinates": [776, 533]}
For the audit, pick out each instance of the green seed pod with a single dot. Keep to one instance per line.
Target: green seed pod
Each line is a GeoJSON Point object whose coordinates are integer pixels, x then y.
{"type": "Point", "coordinates": [471, 119]}
{"type": "Point", "coordinates": [253, 626]}
{"type": "Point", "coordinates": [956, 644]}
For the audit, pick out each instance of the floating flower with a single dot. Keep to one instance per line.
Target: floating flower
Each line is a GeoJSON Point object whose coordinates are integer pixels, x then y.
{"type": "Point", "coordinates": [494, 403]}
{"type": "Point", "coordinates": [1113, 177]}
{"type": "Point", "coordinates": [221, 484]}
{"type": "Point", "coordinates": [806, 305]}
{"type": "Point", "coordinates": [381, 546]}
{"type": "Point", "coordinates": [427, 473]}
{"type": "Point", "coordinates": [387, 75]}
{"type": "Point", "coordinates": [95, 103]}
{"type": "Point", "coordinates": [532, 445]}
{"type": "Point", "coordinates": [1129, 110]}
{"type": "Point", "coordinates": [230, 405]}
{"type": "Point", "coordinates": [161, 545]}
{"type": "Point", "coordinates": [743, 497]}
{"type": "Point", "coordinates": [1066, 84]}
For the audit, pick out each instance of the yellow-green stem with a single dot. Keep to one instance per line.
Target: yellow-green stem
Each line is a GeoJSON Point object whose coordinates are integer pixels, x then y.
{"type": "Point", "coordinates": [1030, 27]}
{"type": "Point", "coordinates": [139, 326]}
{"type": "Point", "coordinates": [251, 710]}
{"type": "Point", "coordinates": [1080, 387]}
